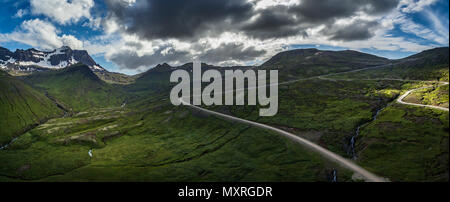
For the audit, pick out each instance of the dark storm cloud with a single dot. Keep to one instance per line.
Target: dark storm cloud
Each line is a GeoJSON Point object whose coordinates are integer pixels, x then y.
{"type": "Point", "coordinates": [231, 51]}
{"type": "Point", "coordinates": [284, 21]}
{"type": "Point", "coordinates": [274, 23]}
{"type": "Point", "coordinates": [183, 19]}
{"type": "Point", "coordinates": [130, 60]}
{"type": "Point", "coordinates": [359, 30]}
{"type": "Point", "coordinates": [191, 20]}
{"type": "Point", "coordinates": [381, 6]}
{"type": "Point", "coordinates": [325, 11]}
{"type": "Point", "coordinates": [225, 52]}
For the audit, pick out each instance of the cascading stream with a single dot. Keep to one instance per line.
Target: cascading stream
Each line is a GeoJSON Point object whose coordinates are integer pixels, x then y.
{"type": "Point", "coordinates": [351, 151]}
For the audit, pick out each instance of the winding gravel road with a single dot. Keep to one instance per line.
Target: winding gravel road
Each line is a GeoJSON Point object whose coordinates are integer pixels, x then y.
{"type": "Point", "coordinates": [368, 176]}
{"type": "Point", "coordinates": [400, 99]}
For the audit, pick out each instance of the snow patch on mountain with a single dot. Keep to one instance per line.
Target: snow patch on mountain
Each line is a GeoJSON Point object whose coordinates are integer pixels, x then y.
{"type": "Point", "coordinates": [4, 63]}
{"type": "Point", "coordinates": [23, 60]}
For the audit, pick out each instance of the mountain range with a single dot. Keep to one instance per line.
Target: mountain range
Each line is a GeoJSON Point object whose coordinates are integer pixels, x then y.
{"type": "Point", "coordinates": [291, 64]}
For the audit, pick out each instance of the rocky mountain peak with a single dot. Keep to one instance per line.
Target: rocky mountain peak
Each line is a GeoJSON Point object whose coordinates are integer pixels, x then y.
{"type": "Point", "coordinates": [35, 60]}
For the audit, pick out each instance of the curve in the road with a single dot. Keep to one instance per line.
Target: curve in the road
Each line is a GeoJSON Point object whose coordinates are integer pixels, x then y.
{"type": "Point", "coordinates": [400, 99]}
{"type": "Point", "coordinates": [324, 152]}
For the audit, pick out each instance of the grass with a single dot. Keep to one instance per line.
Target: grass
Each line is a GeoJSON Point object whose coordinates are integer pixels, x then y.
{"type": "Point", "coordinates": [115, 78]}
{"type": "Point", "coordinates": [437, 96]}
{"type": "Point", "coordinates": [78, 88]}
{"type": "Point", "coordinates": [403, 143]}
{"type": "Point", "coordinates": [151, 140]}
{"type": "Point", "coordinates": [326, 112]}
{"type": "Point", "coordinates": [407, 144]}
{"type": "Point", "coordinates": [159, 143]}
{"type": "Point", "coordinates": [21, 107]}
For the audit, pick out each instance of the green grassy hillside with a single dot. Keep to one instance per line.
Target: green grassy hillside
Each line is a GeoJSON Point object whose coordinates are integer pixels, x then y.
{"type": "Point", "coordinates": [155, 80]}
{"type": "Point", "coordinates": [115, 78]}
{"type": "Point", "coordinates": [21, 107]}
{"type": "Point", "coordinates": [428, 65]}
{"type": "Point", "coordinates": [437, 96]}
{"type": "Point", "coordinates": [77, 87]}
{"type": "Point", "coordinates": [407, 143]}
{"type": "Point", "coordinates": [156, 141]}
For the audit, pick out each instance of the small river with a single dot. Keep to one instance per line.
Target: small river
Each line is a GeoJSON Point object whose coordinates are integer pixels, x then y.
{"type": "Point", "coordinates": [352, 151]}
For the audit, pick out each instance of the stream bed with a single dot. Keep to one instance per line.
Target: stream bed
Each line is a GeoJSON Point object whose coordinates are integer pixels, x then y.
{"type": "Point", "coordinates": [351, 151]}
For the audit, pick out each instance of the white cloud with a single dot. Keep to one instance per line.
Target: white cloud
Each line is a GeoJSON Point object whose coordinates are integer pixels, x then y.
{"type": "Point", "coordinates": [166, 51]}
{"type": "Point", "coordinates": [408, 26]}
{"type": "Point", "coordinates": [20, 13]}
{"type": "Point", "coordinates": [412, 6]}
{"type": "Point", "coordinates": [262, 4]}
{"type": "Point", "coordinates": [93, 23]}
{"type": "Point", "coordinates": [63, 11]}
{"type": "Point", "coordinates": [71, 41]}
{"type": "Point", "coordinates": [437, 33]}
{"type": "Point", "coordinates": [439, 27]}
{"type": "Point", "coordinates": [42, 35]}
{"type": "Point", "coordinates": [129, 2]}
{"type": "Point", "coordinates": [110, 26]}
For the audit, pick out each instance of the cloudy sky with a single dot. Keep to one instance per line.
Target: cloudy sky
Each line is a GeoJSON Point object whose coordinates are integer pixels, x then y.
{"type": "Point", "coordinates": [131, 36]}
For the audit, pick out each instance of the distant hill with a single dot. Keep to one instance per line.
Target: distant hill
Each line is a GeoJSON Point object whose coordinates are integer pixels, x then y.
{"type": "Point", "coordinates": [430, 64]}
{"type": "Point", "coordinates": [21, 107]}
{"type": "Point", "coordinates": [433, 56]}
{"type": "Point", "coordinates": [293, 64]}
{"type": "Point", "coordinates": [301, 63]}
{"type": "Point", "coordinates": [77, 87]}
{"type": "Point", "coordinates": [157, 79]}
{"type": "Point", "coordinates": [115, 78]}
